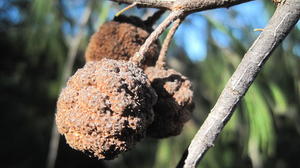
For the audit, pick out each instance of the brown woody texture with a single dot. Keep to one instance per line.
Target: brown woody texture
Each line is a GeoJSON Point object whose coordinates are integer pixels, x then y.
{"type": "Point", "coordinates": [175, 102]}
{"type": "Point", "coordinates": [105, 108]}
{"type": "Point", "coordinates": [120, 40]}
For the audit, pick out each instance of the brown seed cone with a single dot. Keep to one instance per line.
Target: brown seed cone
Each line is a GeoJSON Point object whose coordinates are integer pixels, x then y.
{"type": "Point", "coordinates": [174, 105]}
{"type": "Point", "coordinates": [121, 39]}
{"type": "Point", "coordinates": [105, 108]}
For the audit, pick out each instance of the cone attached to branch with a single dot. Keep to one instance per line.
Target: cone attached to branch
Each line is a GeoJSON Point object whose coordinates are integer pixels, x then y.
{"type": "Point", "coordinates": [120, 40]}
{"type": "Point", "coordinates": [175, 102]}
{"type": "Point", "coordinates": [175, 96]}
{"type": "Point", "coordinates": [105, 108]}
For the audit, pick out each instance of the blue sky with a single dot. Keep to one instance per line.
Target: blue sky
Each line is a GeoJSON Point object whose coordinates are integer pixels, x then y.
{"type": "Point", "coordinates": [191, 35]}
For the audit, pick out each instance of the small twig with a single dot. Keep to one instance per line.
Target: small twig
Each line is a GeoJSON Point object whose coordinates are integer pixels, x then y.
{"type": "Point", "coordinates": [126, 8]}
{"type": "Point", "coordinates": [258, 29]}
{"type": "Point", "coordinates": [161, 62]}
{"type": "Point", "coordinates": [138, 58]}
{"type": "Point", "coordinates": [281, 23]}
{"type": "Point", "coordinates": [154, 18]}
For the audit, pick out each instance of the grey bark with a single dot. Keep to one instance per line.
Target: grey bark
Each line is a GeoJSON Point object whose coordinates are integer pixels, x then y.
{"type": "Point", "coordinates": [201, 5]}
{"type": "Point", "coordinates": [281, 23]}
{"type": "Point", "coordinates": [186, 5]}
{"type": "Point", "coordinates": [164, 4]}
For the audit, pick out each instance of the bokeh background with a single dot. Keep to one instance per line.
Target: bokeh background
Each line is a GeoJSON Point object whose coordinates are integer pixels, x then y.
{"type": "Point", "coordinates": [42, 42]}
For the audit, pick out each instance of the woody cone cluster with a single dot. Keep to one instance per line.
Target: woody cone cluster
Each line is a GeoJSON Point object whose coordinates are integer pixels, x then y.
{"type": "Point", "coordinates": [111, 104]}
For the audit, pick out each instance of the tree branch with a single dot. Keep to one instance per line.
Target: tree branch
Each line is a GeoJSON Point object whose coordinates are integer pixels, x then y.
{"type": "Point", "coordinates": [186, 5]}
{"type": "Point", "coordinates": [164, 4]}
{"type": "Point", "coordinates": [139, 56]}
{"type": "Point", "coordinates": [281, 23]}
{"type": "Point", "coordinates": [161, 62]}
{"type": "Point", "coordinates": [201, 5]}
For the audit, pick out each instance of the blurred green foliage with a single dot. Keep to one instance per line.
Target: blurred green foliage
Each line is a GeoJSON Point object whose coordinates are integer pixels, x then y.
{"type": "Point", "coordinates": [35, 40]}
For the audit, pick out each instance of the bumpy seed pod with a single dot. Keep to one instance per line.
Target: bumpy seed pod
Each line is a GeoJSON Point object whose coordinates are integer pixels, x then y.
{"type": "Point", "coordinates": [105, 108]}
{"type": "Point", "coordinates": [121, 39]}
{"type": "Point", "coordinates": [175, 102]}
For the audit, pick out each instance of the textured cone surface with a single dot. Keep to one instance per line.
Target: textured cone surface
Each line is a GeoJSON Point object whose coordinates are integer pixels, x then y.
{"type": "Point", "coordinates": [174, 105]}
{"type": "Point", "coordinates": [105, 108]}
{"type": "Point", "coordinates": [120, 40]}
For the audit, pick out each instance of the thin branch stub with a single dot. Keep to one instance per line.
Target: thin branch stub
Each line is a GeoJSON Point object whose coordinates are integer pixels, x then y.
{"type": "Point", "coordinates": [125, 9]}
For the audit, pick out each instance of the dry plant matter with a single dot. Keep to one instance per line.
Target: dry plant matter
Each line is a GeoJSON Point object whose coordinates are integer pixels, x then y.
{"type": "Point", "coordinates": [120, 39]}
{"type": "Point", "coordinates": [175, 102]}
{"type": "Point", "coordinates": [105, 108]}
{"type": "Point", "coordinates": [175, 96]}
{"type": "Point", "coordinates": [285, 17]}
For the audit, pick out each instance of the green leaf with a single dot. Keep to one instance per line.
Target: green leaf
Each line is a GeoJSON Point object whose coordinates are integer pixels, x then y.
{"type": "Point", "coordinates": [280, 104]}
